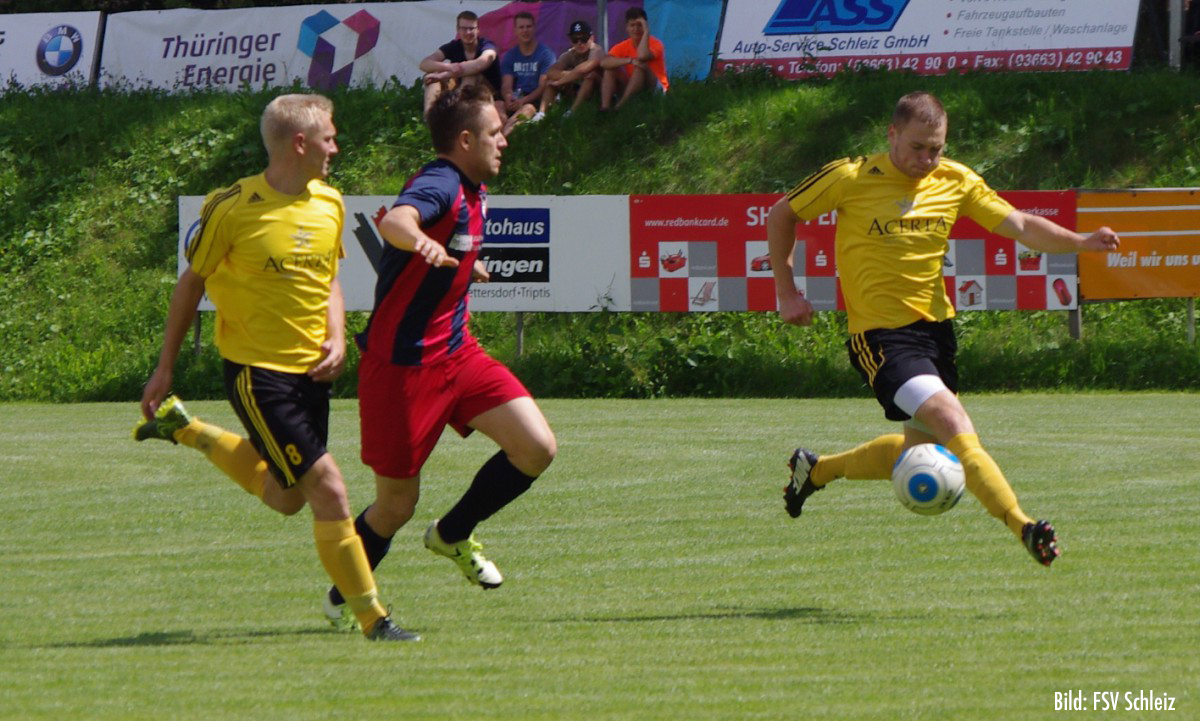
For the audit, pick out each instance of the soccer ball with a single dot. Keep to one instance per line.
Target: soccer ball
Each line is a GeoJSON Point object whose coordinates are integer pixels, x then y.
{"type": "Point", "coordinates": [928, 479]}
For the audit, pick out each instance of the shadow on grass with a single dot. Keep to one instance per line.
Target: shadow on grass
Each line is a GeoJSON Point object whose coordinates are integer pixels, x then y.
{"type": "Point", "coordinates": [807, 614]}
{"type": "Point", "coordinates": [191, 638]}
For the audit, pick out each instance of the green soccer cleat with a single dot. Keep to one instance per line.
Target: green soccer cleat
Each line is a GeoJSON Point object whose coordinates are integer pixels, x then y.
{"type": "Point", "coordinates": [339, 616]}
{"type": "Point", "coordinates": [385, 630]}
{"type": "Point", "coordinates": [170, 417]}
{"type": "Point", "coordinates": [468, 556]}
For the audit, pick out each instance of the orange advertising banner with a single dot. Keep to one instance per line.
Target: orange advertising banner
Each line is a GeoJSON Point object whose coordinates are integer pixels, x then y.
{"type": "Point", "coordinates": [1160, 244]}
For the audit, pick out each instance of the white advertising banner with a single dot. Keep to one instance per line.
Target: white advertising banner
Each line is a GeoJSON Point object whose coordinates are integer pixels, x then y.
{"type": "Point", "coordinates": [48, 48]}
{"type": "Point", "coordinates": [802, 38]}
{"type": "Point", "coordinates": [318, 46]}
{"type": "Point", "coordinates": [544, 253]}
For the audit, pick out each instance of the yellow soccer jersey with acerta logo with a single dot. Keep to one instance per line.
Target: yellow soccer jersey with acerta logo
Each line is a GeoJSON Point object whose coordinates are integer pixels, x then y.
{"type": "Point", "coordinates": [892, 233]}
{"type": "Point", "coordinates": [268, 260]}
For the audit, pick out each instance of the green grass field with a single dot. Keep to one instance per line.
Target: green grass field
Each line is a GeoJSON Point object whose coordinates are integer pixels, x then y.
{"type": "Point", "coordinates": [651, 574]}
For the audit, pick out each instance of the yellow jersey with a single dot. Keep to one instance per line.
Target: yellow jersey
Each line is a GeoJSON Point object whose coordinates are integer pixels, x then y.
{"type": "Point", "coordinates": [268, 261]}
{"type": "Point", "coordinates": [892, 233]}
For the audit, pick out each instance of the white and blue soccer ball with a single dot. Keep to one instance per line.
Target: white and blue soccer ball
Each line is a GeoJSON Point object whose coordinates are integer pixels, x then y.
{"type": "Point", "coordinates": [928, 479]}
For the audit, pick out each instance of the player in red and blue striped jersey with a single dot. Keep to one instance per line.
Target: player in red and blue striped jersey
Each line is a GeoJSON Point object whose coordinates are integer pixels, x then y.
{"type": "Point", "coordinates": [420, 314]}
{"type": "Point", "coordinates": [421, 368]}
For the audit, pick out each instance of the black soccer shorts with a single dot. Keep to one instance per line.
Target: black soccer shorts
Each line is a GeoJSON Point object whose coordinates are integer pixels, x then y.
{"type": "Point", "coordinates": [887, 358]}
{"type": "Point", "coordinates": [285, 414]}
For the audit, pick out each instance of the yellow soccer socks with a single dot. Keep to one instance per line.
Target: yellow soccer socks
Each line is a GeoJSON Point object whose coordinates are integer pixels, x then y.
{"type": "Point", "coordinates": [229, 452]}
{"type": "Point", "coordinates": [987, 482]}
{"type": "Point", "coordinates": [872, 460]}
{"type": "Point", "coordinates": [341, 553]}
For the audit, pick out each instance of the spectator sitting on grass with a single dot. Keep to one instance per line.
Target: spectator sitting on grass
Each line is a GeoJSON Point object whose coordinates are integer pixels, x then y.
{"type": "Point", "coordinates": [465, 60]}
{"type": "Point", "coordinates": [523, 73]}
{"type": "Point", "coordinates": [577, 71]}
{"type": "Point", "coordinates": [635, 64]}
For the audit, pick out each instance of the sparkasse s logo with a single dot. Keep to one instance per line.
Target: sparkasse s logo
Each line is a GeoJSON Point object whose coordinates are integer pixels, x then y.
{"type": "Point", "coordinates": [798, 17]}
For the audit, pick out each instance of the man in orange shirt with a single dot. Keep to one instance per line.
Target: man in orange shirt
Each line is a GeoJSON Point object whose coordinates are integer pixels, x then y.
{"type": "Point", "coordinates": [632, 65]}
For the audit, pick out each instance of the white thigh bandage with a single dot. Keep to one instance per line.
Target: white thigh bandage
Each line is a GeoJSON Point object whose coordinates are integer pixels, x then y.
{"type": "Point", "coordinates": [917, 390]}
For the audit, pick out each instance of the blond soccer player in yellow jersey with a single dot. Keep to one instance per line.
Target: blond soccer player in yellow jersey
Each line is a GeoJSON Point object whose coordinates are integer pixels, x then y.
{"type": "Point", "coordinates": [894, 213]}
{"type": "Point", "coordinates": [267, 254]}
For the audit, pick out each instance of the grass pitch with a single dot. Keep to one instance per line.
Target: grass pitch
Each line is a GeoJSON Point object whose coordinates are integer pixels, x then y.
{"type": "Point", "coordinates": [650, 574]}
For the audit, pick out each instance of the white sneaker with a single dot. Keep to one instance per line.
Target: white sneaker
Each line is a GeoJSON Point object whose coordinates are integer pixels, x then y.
{"type": "Point", "coordinates": [467, 555]}
{"type": "Point", "coordinates": [537, 117]}
{"type": "Point", "coordinates": [339, 616]}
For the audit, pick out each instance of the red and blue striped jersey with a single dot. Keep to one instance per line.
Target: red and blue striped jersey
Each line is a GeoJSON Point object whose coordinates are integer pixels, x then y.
{"type": "Point", "coordinates": [420, 313]}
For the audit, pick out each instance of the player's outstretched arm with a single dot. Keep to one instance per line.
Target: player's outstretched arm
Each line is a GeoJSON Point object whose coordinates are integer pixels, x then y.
{"type": "Point", "coordinates": [1034, 231]}
{"type": "Point", "coordinates": [184, 301]}
{"type": "Point", "coordinates": [401, 227]}
{"type": "Point", "coordinates": [794, 308]}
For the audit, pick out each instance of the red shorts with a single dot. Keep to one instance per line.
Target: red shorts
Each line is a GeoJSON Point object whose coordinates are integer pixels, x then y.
{"type": "Point", "coordinates": [402, 410]}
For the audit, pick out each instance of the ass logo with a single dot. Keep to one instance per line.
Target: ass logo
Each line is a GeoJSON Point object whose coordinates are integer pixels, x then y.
{"type": "Point", "coordinates": [334, 45]}
{"type": "Point", "coordinates": [798, 17]}
{"type": "Point", "coordinates": [59, 50]}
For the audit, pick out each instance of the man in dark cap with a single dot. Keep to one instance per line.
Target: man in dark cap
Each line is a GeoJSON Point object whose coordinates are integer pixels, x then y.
{"type": "Point", "coordinates": [577, 71]}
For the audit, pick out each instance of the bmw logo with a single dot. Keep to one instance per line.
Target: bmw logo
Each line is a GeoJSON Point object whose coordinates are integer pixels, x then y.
{"type": "Point", "coordinates": [59, 50]}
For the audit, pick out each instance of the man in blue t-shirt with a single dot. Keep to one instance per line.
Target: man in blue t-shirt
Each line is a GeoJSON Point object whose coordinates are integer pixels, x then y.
{"type": "Point", "coordinates": [523, 71]}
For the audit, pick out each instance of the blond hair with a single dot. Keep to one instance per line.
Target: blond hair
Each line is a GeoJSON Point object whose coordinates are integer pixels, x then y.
{"type": "Point", "coordinates": [287, 115]}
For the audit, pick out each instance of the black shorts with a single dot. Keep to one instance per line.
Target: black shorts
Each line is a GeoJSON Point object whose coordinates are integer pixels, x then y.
{"type": "Point", "coordinates": [887, 358]}
{"type": "Point", "coordinates": [285, 414]}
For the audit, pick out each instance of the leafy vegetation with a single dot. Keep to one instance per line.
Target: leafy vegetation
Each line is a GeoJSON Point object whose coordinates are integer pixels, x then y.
{"type": "Point", "coordinates": [88, 231]}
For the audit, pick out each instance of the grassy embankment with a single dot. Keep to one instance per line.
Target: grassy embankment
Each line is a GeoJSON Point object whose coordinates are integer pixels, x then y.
{"type": "Point", "coordinates": [88, 182]}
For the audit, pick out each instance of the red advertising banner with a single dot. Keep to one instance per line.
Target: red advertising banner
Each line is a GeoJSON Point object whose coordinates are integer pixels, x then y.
{"type": "Point", "coordinates": [709, 252]}
{"type": "Point", "coordinates": [942, 63]}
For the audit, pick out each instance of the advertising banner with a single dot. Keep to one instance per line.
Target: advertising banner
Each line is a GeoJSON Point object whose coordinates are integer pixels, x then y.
{"type": "Point", "coordinates": [544, 253]}
{"type": "Point", "coordinates": [363, 43]}
{"type": "Point", "coordinates": [318, 46]}
{"type": "Point", "coordinates": [46, 49]}
{"type": "Point", "coordinates": [709, 252]}
{"type": "Point", "coordinates": [1160, 244]}
{"type": "Point", "coordinates": [985, 271]}
{"type": "Point", "coordinates": [802, 38]}
{"type": "Point", "coordinates": [687, 253]}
